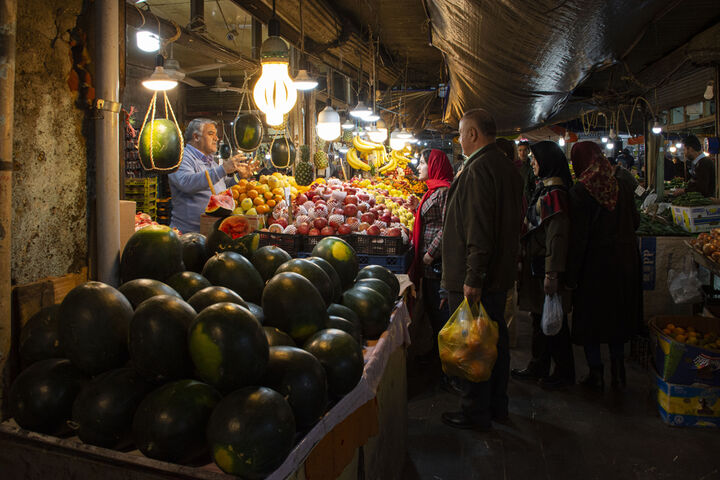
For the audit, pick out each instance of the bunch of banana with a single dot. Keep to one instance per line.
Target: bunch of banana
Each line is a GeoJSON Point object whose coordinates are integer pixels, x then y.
{"type": "Point", "coordinates": [365, 146]}
{"type": "Point", "coordinates": [355, 162]}
{"type": "Point", "coordinates": [391, 163]}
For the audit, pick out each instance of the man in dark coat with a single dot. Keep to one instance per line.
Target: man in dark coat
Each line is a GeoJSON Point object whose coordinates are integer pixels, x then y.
{"type": "Point", "coordinates": [700, 167]}
{"type": "Point", "coordinates": [479, 251]}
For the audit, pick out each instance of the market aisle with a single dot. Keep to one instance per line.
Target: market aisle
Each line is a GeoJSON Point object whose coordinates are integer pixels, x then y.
{"type": "Point", "coordinates": [555, 435]}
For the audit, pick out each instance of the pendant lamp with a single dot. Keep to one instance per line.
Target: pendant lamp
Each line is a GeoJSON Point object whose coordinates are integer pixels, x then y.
{"type": "Point", "coordinates": [328, 124]}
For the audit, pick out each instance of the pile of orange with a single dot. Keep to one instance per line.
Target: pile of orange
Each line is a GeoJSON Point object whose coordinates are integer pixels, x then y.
{"type": "Point", "coordinates": [692, 336]}
{"type": "Point", "coordinates": [265, 193]}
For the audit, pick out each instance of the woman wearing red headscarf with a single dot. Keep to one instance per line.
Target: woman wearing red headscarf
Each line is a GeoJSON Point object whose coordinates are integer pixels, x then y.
{"type": "Point", "coordinates": [603, 263]}
{"type": "Point", "coordinates": [436, 171]}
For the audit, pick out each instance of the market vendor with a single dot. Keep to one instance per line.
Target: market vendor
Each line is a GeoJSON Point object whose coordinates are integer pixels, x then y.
{"type": "Point", "coordinates": [700, 167]}
{"type": "Point", "coordinates": [190, 186]}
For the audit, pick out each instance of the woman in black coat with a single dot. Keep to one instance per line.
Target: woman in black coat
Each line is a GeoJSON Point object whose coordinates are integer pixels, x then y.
{"type": "Point", "coordinates": [603, 263]}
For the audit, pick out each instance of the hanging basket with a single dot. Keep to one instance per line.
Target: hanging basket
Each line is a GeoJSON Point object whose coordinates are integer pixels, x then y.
{"type": "Point", "coordinates": [248, 129]}
{"type": "Point", "coordinates": [282, 152]}
{"type": "Point", "coordinates": [160, 146]}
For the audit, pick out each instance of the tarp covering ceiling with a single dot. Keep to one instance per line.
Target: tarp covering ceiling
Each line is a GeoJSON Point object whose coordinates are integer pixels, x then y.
{"type": "Point", "coordinates": [521, 60]}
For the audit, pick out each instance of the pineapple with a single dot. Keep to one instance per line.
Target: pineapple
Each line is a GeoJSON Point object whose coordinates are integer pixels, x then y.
{"type": "Point", "coordinates": [347, 136]}
{"type": "Point", "coordinates": [321, 160]}
{"type": "Point", "coordinates": [303, 169]}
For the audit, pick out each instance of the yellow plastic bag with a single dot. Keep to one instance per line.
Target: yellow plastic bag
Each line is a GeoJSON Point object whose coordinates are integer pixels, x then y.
{"type": "Point", "coordinates": [468, 343]}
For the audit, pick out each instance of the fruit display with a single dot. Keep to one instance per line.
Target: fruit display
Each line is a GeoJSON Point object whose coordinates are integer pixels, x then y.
{"type": "Point", "coordinates": [220, 205]}
{"type": "Point", "coordinates": [691, 336]}
{"type": "Point", "coordinates": [160, 146]}
{"type": "Point", "coordinates": [708, 244]}
{"type": "Point", "coordinates": [259, 197]}
{"type": "Point", "coordinates": [373, 157]}
{"type": "Point", "coordinates": [303, 170]}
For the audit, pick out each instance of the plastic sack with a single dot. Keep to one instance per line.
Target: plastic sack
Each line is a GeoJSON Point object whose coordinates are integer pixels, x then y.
{"type": "Point", "coordinates": [552, 315]}
{"type": "Point", "coordinates": [468, 343]}
{"type": "Point", "coordinates": [684, 285]}
{"type": "Point", "coordinates": [649, 200]}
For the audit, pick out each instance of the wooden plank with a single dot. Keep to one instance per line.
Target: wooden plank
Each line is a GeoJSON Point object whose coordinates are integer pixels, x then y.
{"type": "Point", "coordinates": [32, 297]}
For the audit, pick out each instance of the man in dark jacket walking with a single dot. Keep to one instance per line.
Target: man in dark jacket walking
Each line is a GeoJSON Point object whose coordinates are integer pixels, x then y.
{"type": "Point", "coordinates": [479, 252]}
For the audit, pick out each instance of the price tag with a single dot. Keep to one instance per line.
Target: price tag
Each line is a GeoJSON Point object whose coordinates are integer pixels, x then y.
{"type": "Point", "coordinates": [639, 190]}
{"type": "Point", "coordinates": [287, 198]}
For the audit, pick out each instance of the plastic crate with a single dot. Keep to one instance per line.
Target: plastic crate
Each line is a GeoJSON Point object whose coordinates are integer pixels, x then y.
{"type": "Point", "coordinates": [141, 182]}
{"type": "Point", "coordinates": [374, 245]}
{"type": "Point", "coordinates": [641, 351]}
{"type": "Point", "coordinates": [309, 241]}
{"type": "Point", "coordinates": [394, 263]}
{"type": "Point", "coordinates": [292, 244]}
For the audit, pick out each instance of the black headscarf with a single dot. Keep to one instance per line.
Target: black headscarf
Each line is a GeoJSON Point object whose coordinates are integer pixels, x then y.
{"type": "Point", "coordinates": [553, 163]}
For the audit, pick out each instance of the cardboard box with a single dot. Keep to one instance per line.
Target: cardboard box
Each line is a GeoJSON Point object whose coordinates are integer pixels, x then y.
{"type": "Point", "coordinates": [688, 405]}
{"type": "Point", "coordinates": [680, 363]}
{"type": "Point", "coordinates": [127, 221]}
{"type": "Point", "coordinates": [697, 219]}
{"type": "Point", "coordinates": [658, 256]}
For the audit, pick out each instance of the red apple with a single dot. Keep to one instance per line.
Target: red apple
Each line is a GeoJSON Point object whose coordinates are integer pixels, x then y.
{"type": "Point", "coordinates": [320, 223]}
{"type": "Point", "coordinates": [394, 219]}
{"type": "Point", "coordinates": [371, 201]}
{"type": "Point", "coordinates": [314, 232]}
{"type": "Point", "coordinates": [351, 199]}
{"type": "Point", "coordinates": [310, 194]}
{"type": "Point", "coordinates": [367, 217]}
{"type": "Point", "coordinates": [334, 224]}
{"type": "Point", "coordinates": [300, 199]}
{"type": "Point", "coordinates": [350, 210]}
{"type": "Point", "coordinates": [320, 201]}
{"type": "Point", "coordinates": [386, 217]}
{"type": "Point", "coordinates": [351, 190]}
{"type": "Point", "coordinates": [303, 228]}
{"type": "Point", "coordinates": [373, 230]}
{"type": "Point", "coordinates": [282, 222]}
{"type": "Point", "coordinates": [363, 197]}
{"type": "Point", "coordinates": [362, 226]}
{"type": "Point", "coordinates": [327, 231]}
{"type": "Point", "coordinates": [393, 232]}
{"type": "Point", "coordinates": [344, 229]}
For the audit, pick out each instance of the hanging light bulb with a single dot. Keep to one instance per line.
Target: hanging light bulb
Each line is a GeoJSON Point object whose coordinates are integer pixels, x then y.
{"type": "Point", "coordinates": [656, 129]}
{"type": "Point", "coordinates": [678, 145]}
{"type": "Point", "coordinates": [328, 124]}
{"type": "Point", "coordinates": [708, 95]}
{"type": "Point", "coordinates": [561, 142]}
{"type": "Point", "coordinates": [604, 139]}
{"type": "Point", "coordinates": [373, 117]}
{"type": "Point", "coordinates": [303, 81]}
{"type": "Point", "coordinates": [361, 110]}
{"type": "Point", "coordinates": [610, 145]}
{"type": "Point", "coordinates": [147, 41]}
{"type": "Point", "coordinates": [672, 149]}
{"type": "Point", "coordinates": [379, 134]}
{"type": "Point", "coordinates": [396, 143]}
{"type": "Point", "coordinates": [348, 124]}
{"type": "Point", "coordinates": [159, 80]}
{"type": "Point", "coordinates": [404, 133]}
{"type": "Point", "coordinates": [274, 92]}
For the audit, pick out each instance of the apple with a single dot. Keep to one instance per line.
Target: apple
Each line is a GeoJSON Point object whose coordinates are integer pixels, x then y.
{"type": "Point", "coordinates": [344, 229]}
{"type": "Point", "coordinates": [300, 199]}
{"type": "Point", "coordinates": [362, 226]}
{"type": "Point", "coordinates": [368, 217]}
{"type": "Point", "coordinates": [394, 219]}
{"type": "Point", "coordinates": [350, 210]}
{"type": "Point", "coordinates": [314, 232]}
{"type": "Point", "coordinates": [339, 211]}
{"type": "Point", "coordinates": [373, 230]}
{"type": "Point", "coordinates": [385, 217]}
{"type": "Point", "coordinates": [320, 201]}
{"type": "Point", "coordinates": [371, 201]}
{"type": "Point", "coordinates": [327, 231]}
{"type": "Point", "coordinates": [319, 223]}
{"type": "Point", "coordinates": [309, 195]}
{"type": "Point", "coordinates": [303, 228]}
{"type": "Point", "coordinates": [363, 207]}
{"type": "Point", "coordinates": [351, 199]}
{"type": "Point", "coordinates": [333, 223]}
{"type": "Point", "coordinates": [363, 197]}
{"type": "Point", "coordinates": [393, 232]}
{"type": "Point", "coordinates": [351, 190]}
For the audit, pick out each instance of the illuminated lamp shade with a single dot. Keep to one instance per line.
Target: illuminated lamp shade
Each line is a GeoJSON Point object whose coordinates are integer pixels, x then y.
{"type": "Point", "coordinates": [380, 133]}
{"type": "Point", "coordinates": [361, 110]}
{"type": "Point", "coordinates": [610, 145]}
{"type": "Point", "coordinates": [404, 134]}
{"type": "Point", "coordinates": [147, 41]}
{"type": "Point", "coordinates": [159, 80]}
{"type": "Point", "coordinates": [348, 124]}
{"type": "Point", "coordinates": [604, 139]}
{"type": "Point", "coordinates": [397, 143]}
{"type": "Point", "coordinates": [303, 81]}
{"type": "Point", "coordinates": [656, 129]}
{"type": "Point", "coordinates": [328, 124]}
{"type": "Point", "coordinates": [373, 117]}
{"type": "Point", "coordinates": [672, 149]}
{"type": "Point", "coordinates": [274, 92]}
{"type": "Point", "coordinates": [561, 142]}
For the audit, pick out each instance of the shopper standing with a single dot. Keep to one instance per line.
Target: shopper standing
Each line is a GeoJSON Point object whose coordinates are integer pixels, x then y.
{"type": "Point", "coordinates": [529, 178]}
{"type": "Point", "coordinates": [479, 252]}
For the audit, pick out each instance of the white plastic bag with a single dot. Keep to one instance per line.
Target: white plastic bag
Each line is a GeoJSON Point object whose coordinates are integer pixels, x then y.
{"type": "Point", "coordinates": [552, 317]}
{"type": "Point", "coordinates": [685, 286]}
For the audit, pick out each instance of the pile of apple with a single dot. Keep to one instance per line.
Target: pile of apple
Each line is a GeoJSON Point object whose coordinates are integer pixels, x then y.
{"type": "Point", "coordinates": [338, 208]}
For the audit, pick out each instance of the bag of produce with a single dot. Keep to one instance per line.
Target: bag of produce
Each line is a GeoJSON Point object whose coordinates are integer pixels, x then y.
{"type": "Point", "coordinates": [552, 316]}
{"type": "Point", "coordinates": [684, 285]}
{"type": "Point", "coordinates": [468, 343]}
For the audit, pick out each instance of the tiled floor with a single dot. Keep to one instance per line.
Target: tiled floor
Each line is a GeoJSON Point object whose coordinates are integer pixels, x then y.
{"type": "Point", "coordinates": [570, 434]}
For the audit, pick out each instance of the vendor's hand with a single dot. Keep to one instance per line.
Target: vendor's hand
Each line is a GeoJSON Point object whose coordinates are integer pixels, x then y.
{"type": "Point", "coordinates": [246, 170]}
{"type": "Point", "coordinates": [472, 294]}
{"type": "Point", "coordinates": [427, 259]}
{"type": "Point", "coordinates": [414, 202]}
{"type": "Point", "coordinates": [551, 284]}
{"type": "Point", "coordinates": [229, 166]}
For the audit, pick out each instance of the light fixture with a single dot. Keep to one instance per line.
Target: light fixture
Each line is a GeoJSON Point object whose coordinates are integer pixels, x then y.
{"type": "Point", "coordinates": [672, 149]}
{"type": "Point", "coordinates": [610, 145]}
{"type": "Point", "coordinates": [328, 124]}
{"type": "Point", "coordinates": [274, 92]}
{"type": "Point", "coordinates": [396, 143]}
{"type": "Point", "coordinates": [604, 139]}
{"type": "Point", "coordinates": [373, 117]}
{"type": "Point", "coordinates": [303, 81]}
{"type": "Point", "coordinates": [379, 134]}
{"type": "Point", "coordinates": [561, 142]}
{"type": "Point", "coordinates": [147, 41]}
{"type": "Point", "coordinates": [517, 142]}
{"type": "Point", "coordinates": [404, 133]}
{"type": "Point", "coordinates": [348, 124]}
{"type": "Point", "coordinates": [678, 145]}
{"type": "Point", "coordinates": [159, 80]}
{"type": "Point", "coordinates": [656, 129]}
{"type": "Point", "coordinates": [567, 136]}
{"type": "Point", "coordinates": [267, 156]}
{"type": "Point", "coordinates": [361, 110]}
{"type": "Point", "coordinates": [708, 95]}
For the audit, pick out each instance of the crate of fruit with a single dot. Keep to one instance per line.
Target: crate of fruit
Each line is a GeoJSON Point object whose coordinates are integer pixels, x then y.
{"type": "Point", "coordinates": [686, 349]}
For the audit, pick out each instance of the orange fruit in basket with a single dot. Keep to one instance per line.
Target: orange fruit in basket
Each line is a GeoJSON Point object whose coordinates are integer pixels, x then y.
{"type": "Point", "coordinates": [679, 331]}
{"type": "Point", "coordinates": [278, 198]}
{"type": "Point", "coordinates": [681, 338]}
{"type": "Point", "coordinates": [277, 191]}
{"type": "Point", "coordinates": [667, 331]}
{"type": "Point", "coordinates": [263, 209]}
{"type": "Point", "coordinates": [263, 188]}
{"type": "Point", "coordinates": [235, 194]}
{"type": "Point", "coordinates": [242, 182]}
{"type": "Point", "coordinates": [670, 326]}
{"type": "Point", "coordinates": [268, 195]}
{"type": "Point", "coordinates": [258, 201]}
{"type": "Point", "coordinates": [252, 194]}
{"type": "Point", "coordinates": [271, 203]}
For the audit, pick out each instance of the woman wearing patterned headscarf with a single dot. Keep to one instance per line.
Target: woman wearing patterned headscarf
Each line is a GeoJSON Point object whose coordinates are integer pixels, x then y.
{"type": "Point", "coordinates": [544, 253]}
{"type": "Point", "coordinates": [603, 263]}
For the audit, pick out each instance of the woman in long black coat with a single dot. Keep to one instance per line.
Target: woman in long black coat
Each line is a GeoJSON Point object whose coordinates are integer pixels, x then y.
{"type": "Point", "coordinates": [603, 263]}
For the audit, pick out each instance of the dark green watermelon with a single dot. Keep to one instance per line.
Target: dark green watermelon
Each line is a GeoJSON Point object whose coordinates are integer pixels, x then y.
{"type": "Point", "coordinates": [300, 378]}
{"type": "Point", "coordinates": [160, 146]}
{"type": "Point", "coordinates": [187, 283]}
{"type": "Point", "coordinates": [293, 304]}
{"type": "Point", "coordinates": [153, 252]}
{"type": "Point", "coordinates": [267, 259]}
{"type": "Point", "coordinates": [103, 410]}
{"type": "Point", "coordinates": [382, 273]}
{"type": "Point", "coordinates": [379, 286]}
{"type": "Point", "coordinates": [251, 432]}
{"type": "Point", "coordinates": [346, 326]}
{"type": "Point", "coordinates": [40, 337]}
{"type": "Point", "coordinates": [282, 152]}
{"type": "Point", "coordinates": [233, 234]}
{"type": "Point", "coordinates": [158, 339]}
{"type": "Point", "coordinates": [194, 247]}
{"type": "Point", "coordinates": [234, 271]}
{"type": "Point", "coordinates": [140, 289]}
{"type": "Point", "coordinates": [312, 272]}
{"type": "Point", "coordinates": [170, 422]}
{"type": "Point", "coordinates": [212, 295]}
{"type": "Point", "coordinates": [332, 274]}
{"type": "Point", "coordinates": [228, 346]}
{"type": "Point", "coordinates": [41, 397]}
{"type": "Point", "coordinates": [341, 256]}
{"type": "Point", "coordinates": [94, 321]}
{"type": "Point", "coordinates": [256, 310]}
{"type": "Point", "coordinates": [344, 312]}
{"type": "Point", "coordinates": [340, 355]}
{"type": "Point", "coordinates": [248, 130]}
{"type": "Point", "coordinates": [370, 307]}
{"type": "Point", "coordinates": [278, 338]}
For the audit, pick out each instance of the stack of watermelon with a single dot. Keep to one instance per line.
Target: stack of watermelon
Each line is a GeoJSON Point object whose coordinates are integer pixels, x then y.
{"type": "Point", "coordinates": [227, 363]}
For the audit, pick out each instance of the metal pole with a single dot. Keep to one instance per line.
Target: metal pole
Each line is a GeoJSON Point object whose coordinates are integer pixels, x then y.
{"type": "Point", "coordinates": [8, 25]}
{"type": "Point", "coordinates": [107, 146]}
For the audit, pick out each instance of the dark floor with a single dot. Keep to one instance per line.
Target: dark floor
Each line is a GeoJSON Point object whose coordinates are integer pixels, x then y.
{"type": "Point", "coordinates": [570, 434]}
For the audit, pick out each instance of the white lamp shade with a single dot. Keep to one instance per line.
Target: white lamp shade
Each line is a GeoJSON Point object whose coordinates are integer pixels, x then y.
{"type": "Point", "coordinates": [303, 81]}
{"type": "Point", "coordinates": [159, 80]}
{"type": "Point", "coordinates": [361, 110]}
{"type": "Point", "coordinates": [396, 143]}
{"type": "Point", "coordinates": [274, 92]}
{"type": "Point", "coordinates": [147, 41]}
{"type": "Point", "coordinates": [378, 135]}
{"type": "Point", "coordinates": [328, 124]}
{"type": "Point", "coordinates": [404, 134]}
{"type": "Point", "coordinates": [656, 129]}
{"type": "Point", "coordinates": [373, 117]}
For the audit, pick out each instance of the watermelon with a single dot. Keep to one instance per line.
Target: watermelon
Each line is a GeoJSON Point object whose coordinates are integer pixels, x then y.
{"type": "Point", "coordinates": [140, 289]}
{"type": "Point", "coordinates": [212, 295]}
{"type": "Point", "coordinates": [153, 252]}
{"type": "Point", "coordinates": [293, 304]}
{"type": "Point", "coordinates": [158, 339]}
{"type": "Point", "coordinates": [40, 337]}
{"type": "Point", "coordinates": [341, 256]}
{"type": "Point", "coordinates": [344, 312]}
{"type": "Point", "coordinates": [331, 273]}
{"type": "Point", "coordinates": [228, 346]}
{"type": "Point", "coordinates": [187, 283]}
{"type": "Point", "coordinates": [282, 152]}
{"type": "Point", "coordinates": [248, 131]}
{"type": "Point", "coordinates": [251, 432]}
{"type": "Point", "coordinates": [379, 286]}
{"type": "Point", "coordinates": [267, 259]}
{"type": "Point", "coordinates": [340, 355]}
{"type": "Point", "coordinates": [41, 397]}
{"type": "Point", "coordinates": [233, 234]}
{"type": "Point", "coordinates": [170, 422]}
{"type": "Point", "coordinates": [220, 205]}
{"type": "Point", "coordinates": [256, 310]}
{"type": "Point", "coordinates": [370, 307]}
{"type": "Point", "coordinates": [194, 248]}
{"type": "Point", "coordinates": [346, 326]}
{"type": "Point", "coordinates": [103, 410]}
{"type": "Point", "coordinates": [94, 320]}
{"type": "Point", "coordinates": [160, 146]}
{"type": "Point", "coordinates": [312, 272]}
{"type": "Point", "coordinates": [232, 270]}
{"type": "Point", "coordinates": [382, 273]}
{"type": "Point", "coordinates": [300, 378]}
{"type": "Point", "coordinates": [278, 338]}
